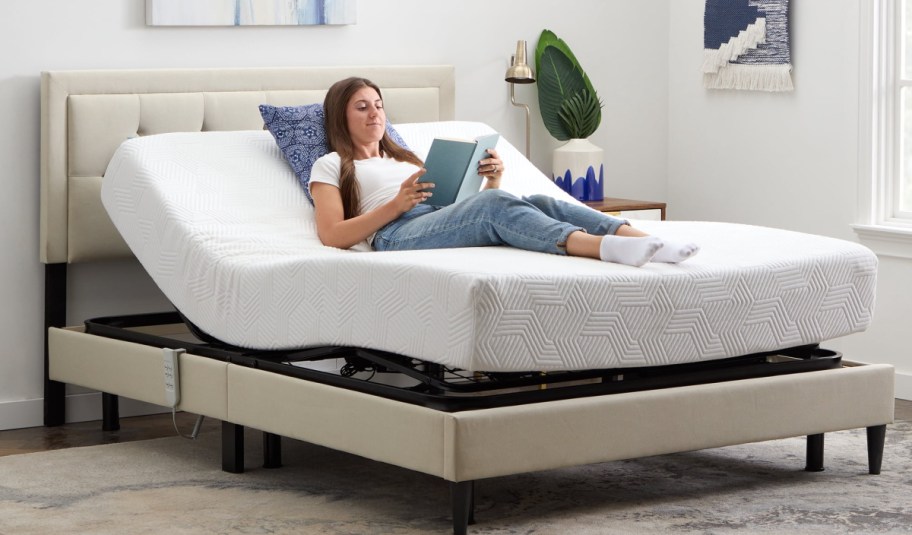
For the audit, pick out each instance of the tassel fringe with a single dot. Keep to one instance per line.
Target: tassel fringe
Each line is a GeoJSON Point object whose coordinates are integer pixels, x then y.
{"type": "Point", "coordinates": [751, 77]}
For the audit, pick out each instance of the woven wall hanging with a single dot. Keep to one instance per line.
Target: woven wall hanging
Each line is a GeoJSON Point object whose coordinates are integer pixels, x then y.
{"type": "Point", "coordinates": [746, 45]}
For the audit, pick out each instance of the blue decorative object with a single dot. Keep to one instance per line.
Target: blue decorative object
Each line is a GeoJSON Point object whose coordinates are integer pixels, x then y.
{"type": "Point", "coordinates": [300, 133]}
{"type": "Point", "coordinates": [574, 168]}
{"type": "Point", "coordinates": [746, 45]}
{"type": "Point", "coordinates": [587, 188]}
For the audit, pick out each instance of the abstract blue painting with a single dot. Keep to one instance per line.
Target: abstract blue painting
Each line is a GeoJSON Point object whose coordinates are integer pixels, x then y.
{"type": "Point", "coordinates": [249, 12]}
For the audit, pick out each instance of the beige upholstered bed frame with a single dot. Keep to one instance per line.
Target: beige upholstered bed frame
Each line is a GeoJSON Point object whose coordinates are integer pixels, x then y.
{"type": "Point", "coordinates": [86, 115]}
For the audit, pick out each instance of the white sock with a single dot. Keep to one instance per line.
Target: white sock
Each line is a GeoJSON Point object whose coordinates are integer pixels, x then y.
{"type": "Point", "coordinates": [632, 251]}
{"type": "Point", "coordinates": [673, 252]}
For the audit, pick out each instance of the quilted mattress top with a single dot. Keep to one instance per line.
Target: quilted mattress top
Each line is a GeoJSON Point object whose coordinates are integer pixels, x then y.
{"type": "Point", "coordinates": [223, 228]}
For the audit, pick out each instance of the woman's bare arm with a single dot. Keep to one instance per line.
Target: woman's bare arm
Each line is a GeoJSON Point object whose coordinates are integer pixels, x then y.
{"type": "Point", "coordinates": [336, 231]}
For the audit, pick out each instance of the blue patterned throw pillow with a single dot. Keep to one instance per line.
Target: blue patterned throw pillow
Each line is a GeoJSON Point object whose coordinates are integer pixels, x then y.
{"type": "Point", "coordinates": [300, 133]}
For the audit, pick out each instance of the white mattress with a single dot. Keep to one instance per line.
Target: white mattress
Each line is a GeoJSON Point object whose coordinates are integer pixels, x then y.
{"type": "Point", "coordinates": [221, 225]}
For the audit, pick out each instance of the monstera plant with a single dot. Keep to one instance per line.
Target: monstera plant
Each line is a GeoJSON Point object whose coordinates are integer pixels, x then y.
{"type": "Point", "coordinates": [570, 107]}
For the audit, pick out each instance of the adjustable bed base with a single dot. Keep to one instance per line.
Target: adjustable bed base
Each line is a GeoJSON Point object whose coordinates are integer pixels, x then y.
{"type": "Point", "coordinates": [445, 389]}
{"type": "Point", "coordinates": [462, 446]}
{"type": "Point", "coordinates": [457, 430]}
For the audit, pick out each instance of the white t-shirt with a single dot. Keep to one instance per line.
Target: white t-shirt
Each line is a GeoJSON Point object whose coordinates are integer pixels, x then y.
{"type": "Point", "coordinates": [379, 178]}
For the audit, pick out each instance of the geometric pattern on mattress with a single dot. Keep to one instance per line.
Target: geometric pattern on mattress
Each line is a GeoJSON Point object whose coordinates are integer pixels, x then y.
{"type": "Point", "coordinates": [222, 227]}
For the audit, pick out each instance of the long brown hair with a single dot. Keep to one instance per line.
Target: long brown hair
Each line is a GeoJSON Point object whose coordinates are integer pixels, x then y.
{"type": "Point", "coordinates": [335, 106]}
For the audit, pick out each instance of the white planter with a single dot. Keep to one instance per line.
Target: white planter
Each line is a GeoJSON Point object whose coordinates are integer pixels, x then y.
{"type": "Point", "coordinates": [579, 170]}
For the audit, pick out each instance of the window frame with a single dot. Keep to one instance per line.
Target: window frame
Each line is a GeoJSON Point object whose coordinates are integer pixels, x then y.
{"type": "Point", "coordinates": [902, 81]}
{"type": "Point", "coordinates": [880, 225]}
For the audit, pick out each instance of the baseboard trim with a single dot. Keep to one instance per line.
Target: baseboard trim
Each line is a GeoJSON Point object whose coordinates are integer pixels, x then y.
{"type": "Point", "coordinates": [904, 386]}
{"type": "Point", "coordinates": [79, 408]}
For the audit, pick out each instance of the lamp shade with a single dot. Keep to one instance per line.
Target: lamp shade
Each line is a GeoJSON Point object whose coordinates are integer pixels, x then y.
{"type": "Point", "coordinates": [520, 72]}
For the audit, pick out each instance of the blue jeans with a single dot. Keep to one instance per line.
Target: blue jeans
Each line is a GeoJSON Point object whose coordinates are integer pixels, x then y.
{"type": "Point", "coordinates": [494, 217]}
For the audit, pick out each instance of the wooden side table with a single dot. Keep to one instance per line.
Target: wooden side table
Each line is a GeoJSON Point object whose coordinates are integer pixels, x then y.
{"type": "Point", "coordinates": [626, 207]}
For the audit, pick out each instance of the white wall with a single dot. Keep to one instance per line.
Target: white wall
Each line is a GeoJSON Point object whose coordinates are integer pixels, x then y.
{"type": "Point", "coordinates": [781, 159]}
{"type": "Point", "coordinates": [786, 160]}
{"type": "Point", "coordinates": [622, 44]}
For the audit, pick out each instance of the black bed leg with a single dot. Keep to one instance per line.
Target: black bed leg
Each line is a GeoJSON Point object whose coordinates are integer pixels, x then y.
{"type": "Point", "coordinates": [232, 447]}
{"type": "Point", "coordinates": [472, 505]}
{"type": "Point", "coordinates": [463, 497]}
{"type": "Point", "coordinates": [877, 435]}
{"type": "Point", "coordinates": [814, 453]}
{"type": "Point", "coordinates": [272, 450]}
{"type": "Point", "coordinates": [110, 412]}
{"type": "Point", "coordinates": [55, 283]}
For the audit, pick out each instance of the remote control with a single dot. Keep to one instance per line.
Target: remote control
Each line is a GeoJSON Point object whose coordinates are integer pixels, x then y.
{"type": "Point", "coordinates": [171, 360]}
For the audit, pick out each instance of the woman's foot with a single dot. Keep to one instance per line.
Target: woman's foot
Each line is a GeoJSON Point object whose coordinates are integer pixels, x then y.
{"type": "Point", "coordinates": [673, 252]}
{"type": "Point", "coordinates": [632, 251]}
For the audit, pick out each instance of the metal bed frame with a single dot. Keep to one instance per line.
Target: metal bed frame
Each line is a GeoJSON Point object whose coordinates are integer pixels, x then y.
{"type": "Point", "coordinates": [446, 389]}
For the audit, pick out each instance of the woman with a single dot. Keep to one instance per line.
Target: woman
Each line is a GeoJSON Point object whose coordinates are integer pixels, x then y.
{"type": "Point", "coordinates": [368, 189]}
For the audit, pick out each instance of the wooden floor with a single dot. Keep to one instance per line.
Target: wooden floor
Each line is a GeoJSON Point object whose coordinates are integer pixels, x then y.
{"type": "Point", "coordinates": [34, 439]}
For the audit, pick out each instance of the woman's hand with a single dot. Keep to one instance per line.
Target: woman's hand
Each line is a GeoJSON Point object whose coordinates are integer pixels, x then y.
{"type": "Point", "coordinates": [412, 192]}
{"type": "Point", "coordinates": [491, 168]}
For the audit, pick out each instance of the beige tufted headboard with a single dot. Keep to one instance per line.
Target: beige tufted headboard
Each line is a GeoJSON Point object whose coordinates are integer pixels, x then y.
{"type": "Point", "coordinates": [86, 115]}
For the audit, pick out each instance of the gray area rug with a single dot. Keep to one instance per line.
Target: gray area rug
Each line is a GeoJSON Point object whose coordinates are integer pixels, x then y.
{"type": "Point", "coordinates": [174, 485]}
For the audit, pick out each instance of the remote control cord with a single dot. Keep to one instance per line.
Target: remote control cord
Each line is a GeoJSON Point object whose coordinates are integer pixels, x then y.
{"type": "Point", "coordinates": [196, 427]}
